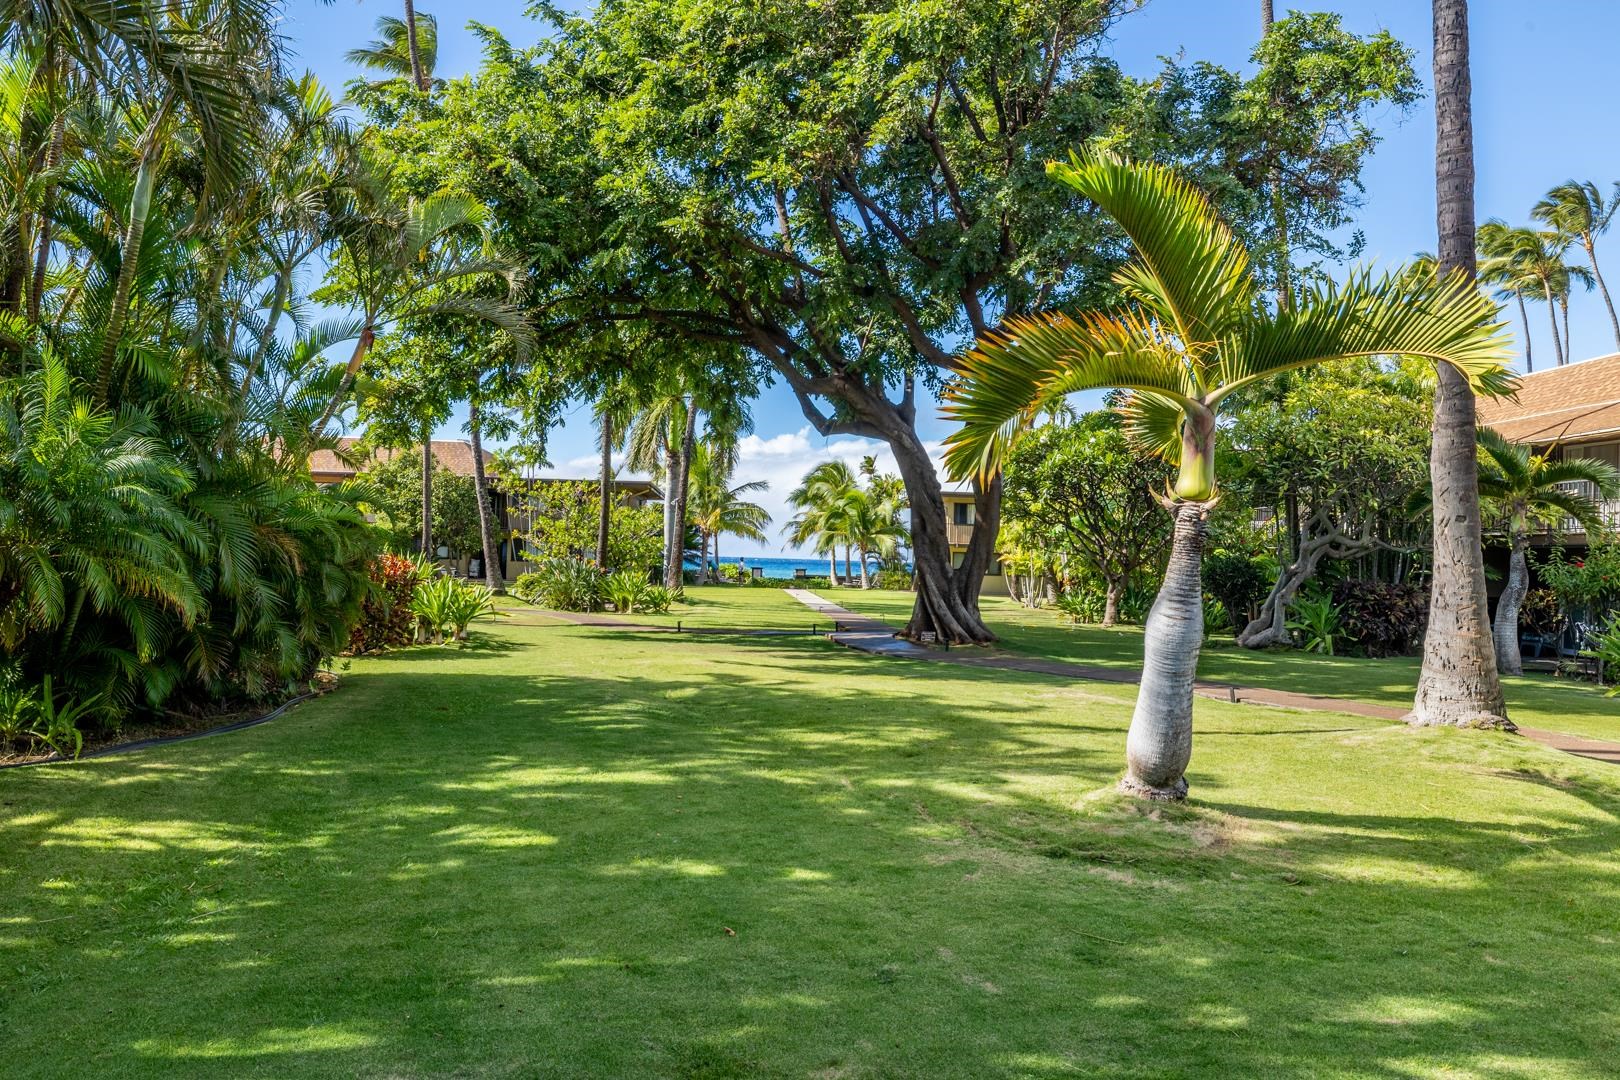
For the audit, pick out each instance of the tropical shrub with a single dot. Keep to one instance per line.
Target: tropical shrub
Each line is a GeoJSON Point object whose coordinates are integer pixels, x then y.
{"type": "Point", "coordinates": [789, 583]}
{"type": "Point", "coordinates": [1215, 617]}
{"type": "Point", "coordinates": [1604, 647]}
{"type": "Point", "coordinates": [468, 601]}
{"type": "Point", "coordinates": [1239, 581]}
{"type": "Point", "coordinates": [19, 705]}
{"type": "Point", "coordinates": [1082, 604]}
{"type": "Point", "coordinates": [1541, 615]}
{"type": "Point", "coordinates": [386, 616]}
{"type": "Point", "coordinates": [657, 599]}
{"type": "Point", "coordinates": [626, 591]}
{"type": "Point", "coordinates": [562, 584]}
{"type": "Point", "coordinates": [1592, 582]}
{"type": "Point", "coordinates": [1316, 623]}
{"type": "Point", "coordinates": [57, 726]}
{"type": "Point", "coordinates": [1380, 618]}
{"type": "Point", "coordinates": [894, 579]}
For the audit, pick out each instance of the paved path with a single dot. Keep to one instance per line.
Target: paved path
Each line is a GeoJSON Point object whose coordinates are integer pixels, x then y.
{"type": "Point", "coordinates": [870, 635]}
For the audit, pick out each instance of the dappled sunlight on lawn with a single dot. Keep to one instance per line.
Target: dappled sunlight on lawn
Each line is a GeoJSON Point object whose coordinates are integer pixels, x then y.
{"type": "Point", "coordinates": [647, 854]}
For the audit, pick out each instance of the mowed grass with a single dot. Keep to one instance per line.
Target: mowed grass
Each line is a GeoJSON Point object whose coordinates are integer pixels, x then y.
{"type": "Point", "coordinates": [730, 607]}
{"type": "Point", "coordinates": [1535, 700]}
{"type": "Point", "coordinates": [567, 851]}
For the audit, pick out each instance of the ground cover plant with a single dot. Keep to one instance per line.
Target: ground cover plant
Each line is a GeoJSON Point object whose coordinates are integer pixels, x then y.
{"type": "Point", "coordinates": [563, 850]}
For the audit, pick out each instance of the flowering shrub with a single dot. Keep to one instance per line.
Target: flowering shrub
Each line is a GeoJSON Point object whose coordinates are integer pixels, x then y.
{"type": "Point", "coordinates": [386, 618]}
{"type": "Point", "coordinates": [1592, 582]}
{"type": "Point", "coordinates": [1381, 619]}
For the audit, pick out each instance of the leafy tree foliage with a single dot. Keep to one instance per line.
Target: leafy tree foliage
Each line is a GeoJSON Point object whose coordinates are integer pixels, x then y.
{"type": "Point", "coordinates": [1082, 491]}
{"type": "Point", "coordinates": [397, 484]}
{"type": "Point", "coordinates": [563, 516]}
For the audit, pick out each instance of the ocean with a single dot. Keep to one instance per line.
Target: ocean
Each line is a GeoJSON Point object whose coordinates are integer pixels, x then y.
{"type": "Point", "coordinates": [776, 567]}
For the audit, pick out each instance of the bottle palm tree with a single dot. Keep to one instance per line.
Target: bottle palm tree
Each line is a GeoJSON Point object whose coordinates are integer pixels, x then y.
{"type": "Point", "coordinates": [1527, 488]}
{"type": "Point", "coordinates": [718, 508]}
{"type": "Point", "coordinates": [1194, 334]}
{"type": "Point", "coordinates": [1578, 210]}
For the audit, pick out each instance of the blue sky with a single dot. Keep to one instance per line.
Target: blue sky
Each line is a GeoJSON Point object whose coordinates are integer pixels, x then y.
{"type": "Point", "coordinates": [1543, 95]}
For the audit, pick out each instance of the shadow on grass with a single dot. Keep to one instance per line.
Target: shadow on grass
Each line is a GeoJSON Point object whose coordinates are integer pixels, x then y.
{"type": "Point", "coordinates": [743, 870]}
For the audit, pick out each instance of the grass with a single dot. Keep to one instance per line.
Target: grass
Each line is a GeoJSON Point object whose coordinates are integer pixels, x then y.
{"type": "Point", "coordinates": [569, 851]}
{"type": "Point", "coordinates": [1543, 701]}
{"type": "Point", "coordinates": [714, 607]}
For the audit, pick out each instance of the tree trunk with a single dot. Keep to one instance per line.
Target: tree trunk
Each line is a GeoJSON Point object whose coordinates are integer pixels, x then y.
{"type": "Point", "coordinates": [865, 581]}
{"type": "Point", "coordinates": [1524, 320]}
{"type": "Point", "coordinates": [427, 492]}
{"type": "Point", "coordinates": [278, 303]}
{"type": "Point", "coordinates": [1159, 744]}
{"type": "Point", "coordinates": [1603, 288]}
{"type": "Point", "coordinates": [486, 531]}
{"type": "Point", "coordinates": [1552, 317]}
{"type": "Point", "coordinates": [684, 473]}
{"type": "Point", "coordinates": [362, 345]}
{"type": "Point", "coordinates": [947, 603]}
{"type": "Point", "coordinates": [418, 76]}
{"type": "Point", "coordinates": [1265, 17]}
{"type": "Point", "coordinates": [1563, 311]}
{"type": "Point", "coordinates": [832, 565]}
{"type": "Point", "coordinates": [1505, 630]}
{"type": "Point", "coordinates": [1113, 589]}
{"type": "Point", "coordinates": [128, 259]}
{"type": "Point", "coordinates": [1458, 684]}
{"type": "Point", "coordinates": [42, 258]}
{"type": "Point", "coordinates": [672, 557]}
{"type": "Point", "coordinates": [849, 572]}
{"type": "Point", "coordinates": [604, 513]}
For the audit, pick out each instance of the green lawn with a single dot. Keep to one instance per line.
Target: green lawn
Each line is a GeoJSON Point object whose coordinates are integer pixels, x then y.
{"type": "Point", "coordinates": [567, 851]}
{"type": "Point", "coordinates": [713, 607]}
{"type": "Point", "coordinates": [1543, 701]}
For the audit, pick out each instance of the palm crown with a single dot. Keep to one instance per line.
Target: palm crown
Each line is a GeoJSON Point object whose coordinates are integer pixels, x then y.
{"type": "Point", "coordinates": [1525, 484]}
{"type": "Point", "coordinates": [1194, 331]}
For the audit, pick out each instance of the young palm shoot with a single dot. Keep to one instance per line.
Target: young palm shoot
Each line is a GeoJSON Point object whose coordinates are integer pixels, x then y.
{"type": "Point", "coordinates": [1192, 332]}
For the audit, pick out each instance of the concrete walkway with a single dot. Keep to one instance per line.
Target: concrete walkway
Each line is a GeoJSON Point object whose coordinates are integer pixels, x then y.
{"type": "Point", "coordinates": [869, 635]}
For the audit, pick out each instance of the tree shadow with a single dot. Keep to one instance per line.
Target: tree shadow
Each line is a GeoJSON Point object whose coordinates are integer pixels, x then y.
{"type": "Point", "coordinates": [761, 857]}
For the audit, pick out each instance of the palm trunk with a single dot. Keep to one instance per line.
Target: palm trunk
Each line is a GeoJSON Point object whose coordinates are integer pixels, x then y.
{"type": "Point", "coordinates": [849, 573]}
{"type": "Point", "coordinates": [1505, 630]}
{"type": "Point", "coordinates": [129, 258]}
{"type": "Point", "coordinates": [361, 346]}
{"type": "Point", "coordinates": [1524, 320]}
{"type": "Point", "coordinates": [1591, 257]}
{"type": "Point", "coordinates": [672, 554]}
{"type": "Point", "coordinates": [865, 581]}
{"type": "Point", "coordinates": [604, 512]}
{"type": "Point", "coordinates": [418, 76]}
{"type": "Point", "coordinates": [1563, 311]}
{"type": "Point", "coordinates": [42, 257]}
{"type": "Point", "coordinates": [278, 304]}
{"type": "Point", "coordinates": [427, 492]}
{"type": "Point", "coordinates": [1458, 684]}
{"type": "Point", "coordinates": [1552, 317]}
{"type": "Point", "coordinates": [1159, 744]}
{"type": "Point", "coordinates": [486, 530]}
{"type": "Point", "coordinates": [832, 565]}
{"type": "Point", "coordinates": [688, 443]}
{"type": "Point", "coordinates": [1265, 17]}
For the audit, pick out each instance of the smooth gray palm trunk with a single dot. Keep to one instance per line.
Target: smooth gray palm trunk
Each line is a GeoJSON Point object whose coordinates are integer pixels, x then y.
{"type": "Point", "coordinates": [486, 512]}
{"type": "Point", "coordinates": [1160, 741]}
{"type": "Point", "coordinates": [1505, 630]}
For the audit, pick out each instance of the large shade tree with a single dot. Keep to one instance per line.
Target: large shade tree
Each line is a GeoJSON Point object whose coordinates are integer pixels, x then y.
{"type": "Point", "coordinates": [847, 191]}
{"type": "Point", "coordinates": [1192, 334]}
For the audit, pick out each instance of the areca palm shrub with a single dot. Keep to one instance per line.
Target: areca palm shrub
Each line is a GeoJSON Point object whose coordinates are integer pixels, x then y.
{"type": "Point", "coordinates": [1191, 331]}
{"type": "Point", "coordinates": [1530, 490]}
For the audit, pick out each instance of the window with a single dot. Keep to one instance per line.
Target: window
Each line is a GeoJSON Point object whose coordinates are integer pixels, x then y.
{"type": "Point", "coordinates": [962, 513]}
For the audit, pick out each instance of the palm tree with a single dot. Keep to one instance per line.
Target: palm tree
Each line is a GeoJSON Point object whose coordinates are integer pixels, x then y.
{"type": "Point", "coordinates": [401, 261]}
{"type": "Point", "coordinates": [611, 416]}
{"type": "Point", "coordinates": [1458, 683]}
{"type": "Point", "coordinates": [1527, 487]}
{"type": "Point", "coordinates": [874, 522]}
{"type": "Point", "coordinates": [823, 500]}
{"type": "Point", "coordinates": [392, 52]}
{"type": "Point", "coordinates": [718, 508]}
{"type": "Point", "coordinates": [661, 438]}
{"type": "Point", "coordinates": [1504, 263]}
{"type": "Point", "coordinates": [1194, 334]}
{"type": "Point", "coordinates": [1578, 210]}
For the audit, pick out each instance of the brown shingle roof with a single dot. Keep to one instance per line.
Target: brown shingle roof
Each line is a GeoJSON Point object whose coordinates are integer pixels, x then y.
{"type": "Point", "coordinates": [453, 454]}
{"type": "Point", "coordinates": [1577, 401]}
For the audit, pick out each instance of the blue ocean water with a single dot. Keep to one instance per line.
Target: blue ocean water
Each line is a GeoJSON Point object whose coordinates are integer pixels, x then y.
{"type": "Point", "coordinates": [775, 567]}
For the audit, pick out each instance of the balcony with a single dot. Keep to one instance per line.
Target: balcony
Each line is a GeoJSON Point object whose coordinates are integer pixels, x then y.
{"type": "Point", "coordinates": [1608, 510]}
{"type": "Point", "coordinates": [958, 535]}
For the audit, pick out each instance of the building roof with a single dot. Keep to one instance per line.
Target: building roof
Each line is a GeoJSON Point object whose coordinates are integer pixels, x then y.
{"type": "Point", "coordinates": [1561, 404]}
{"type": "Point", "coordinates": [452, 454]}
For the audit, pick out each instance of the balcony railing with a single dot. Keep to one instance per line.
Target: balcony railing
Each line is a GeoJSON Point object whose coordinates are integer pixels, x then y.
{"type": "Point", "coordinates": [1608, 509]}
{"type": "Point", "coordinates": [958, 535]}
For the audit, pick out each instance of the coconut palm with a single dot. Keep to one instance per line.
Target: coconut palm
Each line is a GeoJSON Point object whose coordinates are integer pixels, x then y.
{"type": "Point", "coordinates": [392, 52]}
{"type": "Point", "coordinates": [1578, 210]}
{"type": "Point", "coordinates": [718, 508]}
{"type": "Point", "coordinates": [1528, 488]}
{"type": "Point", "coordinates": [1505, 255]}
{"type": "Point", "coordinates": [823, 499]}
{"type": "Point", "coordinates": [873, 518]}
{"type": "Point", "coordinates": [1193, 333]}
